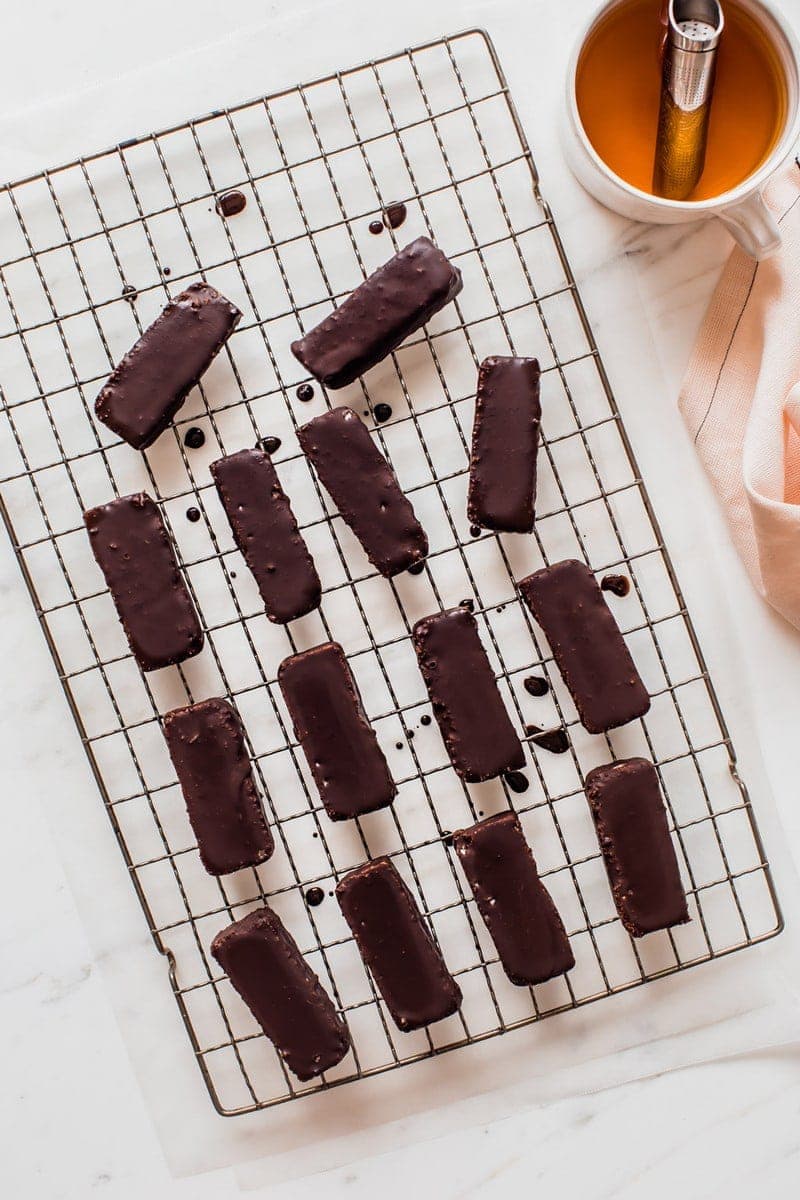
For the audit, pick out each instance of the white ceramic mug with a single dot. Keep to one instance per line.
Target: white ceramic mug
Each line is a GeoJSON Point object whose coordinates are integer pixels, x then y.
{"type": "Point", "coordinates": [742, 209]}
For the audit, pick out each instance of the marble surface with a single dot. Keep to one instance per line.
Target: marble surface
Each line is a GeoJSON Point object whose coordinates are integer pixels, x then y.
{"type": "Point", "coordinates": [77, 1118]}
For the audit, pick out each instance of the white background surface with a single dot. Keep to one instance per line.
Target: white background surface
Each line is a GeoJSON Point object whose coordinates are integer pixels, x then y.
{"type": "Point", "coordinates": [75, 1119]}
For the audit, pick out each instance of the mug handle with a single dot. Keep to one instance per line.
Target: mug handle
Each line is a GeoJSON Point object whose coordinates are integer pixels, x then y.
{"type": "Point", "coordinates": [753, 226]}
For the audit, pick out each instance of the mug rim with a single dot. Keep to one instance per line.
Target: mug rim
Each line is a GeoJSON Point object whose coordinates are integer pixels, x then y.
{"type": "Point", "coordinates": [751, 183]}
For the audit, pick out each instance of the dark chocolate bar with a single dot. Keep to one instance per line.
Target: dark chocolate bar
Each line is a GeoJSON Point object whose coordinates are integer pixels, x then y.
{"type": "Point", "coordinates": [365, 490]}
{"type": "Point", "coordinates": [401, 955]}
{"type": "Point", "coordinates": [206, 745]}
{"type": "Point", "coordinates": [338, 741]}
{"type": "Point", "coordinates": [382, 312]}
{"type": "Point", "coordinates": [135, 554]}
{"type": "Point", "coordinates": [587, 645]}
{"type": "Point", "coordinates": [505, 440]}
{"type": "Point", "coordinates": [149, 385]}
{"type": "Point", "coordinates": [632, 828]}
{"type": "Point", "coordinates": [467, 704]}
{"type": "Point", "coordinates": [522, 920]}
{"type": "Point", "coordinates": [266, 532]}
{"type": "Point", "coordinates": [262, 961]}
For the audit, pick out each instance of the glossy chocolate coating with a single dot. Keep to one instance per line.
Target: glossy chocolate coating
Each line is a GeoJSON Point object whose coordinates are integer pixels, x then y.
{"type": "Point", "coordinates": [587, 645]}
{"type": "Point", "coordinates": [394, 215]}
{"type": "Point", "coordinates": [382, 312]}
{"type": "Point", "coordinates": [522, 920]}
{"type": "Point", "coordinates": [194, 438]}
{"type": "Point", "coordinates": [206, 745]}
{"type": "Point", "coordinates": [231, 203]}
{"type": "Point", "coordinates": [149, 385]}
{"type": "Point", "coordinates": [266, 532]}
{"type": "Point", "coordinates": [402, 957]}
{"type": "Point", "coordinates": [365, 490]}
{"type": "Point", "coordinates": [339, 743]}
{"type": "Point", "coordinates": [619, 585]}
{"type": "Point", "coordinates": [536, 685]}
{"type": "Point", "coordinates": [262, 961]}
{"type": "Point", "coordinates": [477, 731]}
{"type": "Point", "coordinates": [505, 441]}
{"type": "Point", "coordinates": [632, 828]}
{"type": "Point", "coordinates": [554, 740]}
{"type": "Point", "coordinates": [135, 554]}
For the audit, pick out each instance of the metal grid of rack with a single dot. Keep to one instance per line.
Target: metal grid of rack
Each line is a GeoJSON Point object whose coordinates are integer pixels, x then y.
{"type": "Point", "coordinates": [89, 253]}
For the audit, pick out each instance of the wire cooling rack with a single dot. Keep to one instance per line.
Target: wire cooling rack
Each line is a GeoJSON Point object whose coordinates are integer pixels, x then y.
{"type": "Point", "coordinates": [90, 252]}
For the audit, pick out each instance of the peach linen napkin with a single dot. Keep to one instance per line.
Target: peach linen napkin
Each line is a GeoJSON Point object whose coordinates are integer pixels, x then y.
{"type": "Point", "coordinates": [740, 400]}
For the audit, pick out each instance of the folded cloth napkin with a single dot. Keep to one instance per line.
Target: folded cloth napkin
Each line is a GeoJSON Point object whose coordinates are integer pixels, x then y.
{"type": "Point", "coordinates": [741, 402]}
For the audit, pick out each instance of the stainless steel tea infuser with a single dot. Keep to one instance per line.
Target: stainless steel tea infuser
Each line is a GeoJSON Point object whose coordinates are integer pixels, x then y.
{"type": "Point", "coordinates": [693, 33]}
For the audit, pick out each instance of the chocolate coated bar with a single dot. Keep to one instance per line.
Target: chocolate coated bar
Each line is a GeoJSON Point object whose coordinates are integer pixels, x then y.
{"type": "Point", "coordinates": [262, 961]}
{"type": "Point", "coordinates": [135, 554]}
{"type": "Point", "coordinates": [365, 490]}
{"type": "Point", "coordinates": [505, 440]}
{"type": "Point", "coordinates": [340, 745]}
{"type": "Point", "coordinates": [383, 311]}
{"type": "Point", "coordinates": [402, 957]}
{"type": "Point", "coordinates": [631, 823]}
{"type": "Point", "coordinates": [149, 385]}
{"type": "Point", "coordinates": [266, 532]}
{"type": "Point", "coordinates": [467, 704]}
{"type": "Point", "coordinates": [206, 745]}
{"type": "Point", "coordinates": [588, 647]}
{"type": "Point", "coordinates": [521, 918]}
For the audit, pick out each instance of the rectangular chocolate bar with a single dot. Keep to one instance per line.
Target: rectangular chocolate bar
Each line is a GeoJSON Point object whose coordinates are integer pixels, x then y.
{"type": "Point", "coordinates": [149, 385]}
{"type": "Point", "coordinates": [262, 961]}
{"type": "Point", "coordinates": [505, 440]}
{"type": "Point", "coordinates": [632, 828]}
{"type": "Point", "coordinates": [266, 532]}
{"type": "Point", "coordinates": [340, 746]}
{"type": "Point", "coordinates": [477, 731]}
{"type": "Point", "coordinates": [135, 554]}
{"type": "Point", "coordinates": [365, 490]}
{"type": "Point", "coordinates": [395, 944]}
{"type": "Point", "coordinates": [587, 645]}
{"type": "Point", "coordinates": [522, 920]}
{"type": "Point", "coordinates": [395, 301]}
{"type": "Point", "coordinates": [206, 745]}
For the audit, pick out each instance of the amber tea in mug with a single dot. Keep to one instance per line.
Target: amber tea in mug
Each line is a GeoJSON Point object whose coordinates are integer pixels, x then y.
{"type": "Point", "coordinates": [618, 87]}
